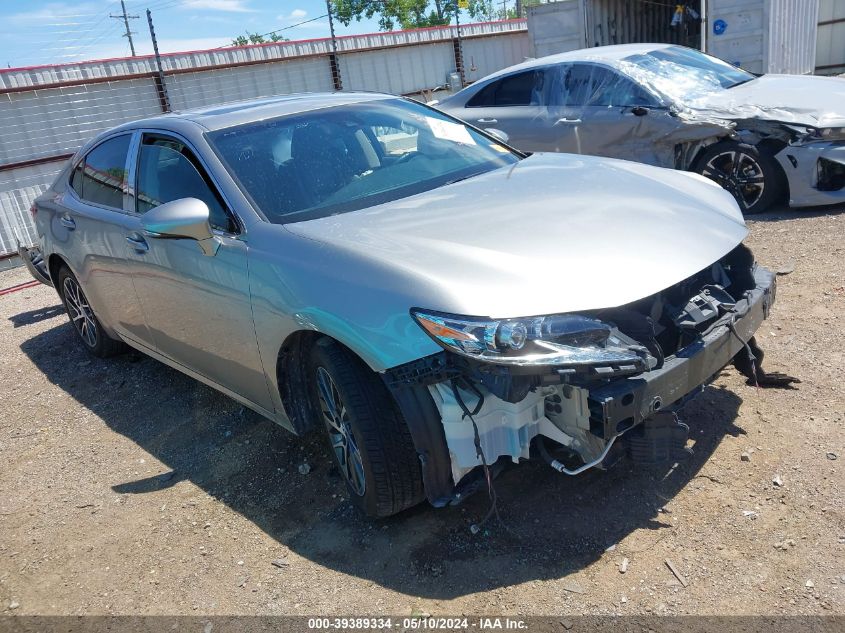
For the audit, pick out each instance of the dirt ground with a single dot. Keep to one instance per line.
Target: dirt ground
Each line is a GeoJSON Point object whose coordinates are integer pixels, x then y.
{"type": "Point", "coordinates": [128, 488]}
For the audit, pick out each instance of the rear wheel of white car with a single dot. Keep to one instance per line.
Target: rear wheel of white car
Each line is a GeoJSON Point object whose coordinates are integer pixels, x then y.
{"type": "Point", "coordinates": [369, 438]}
{"type": "Point", "coordinates": [82, 316]}
{"type": "Point", "coordinates": [753, 177]}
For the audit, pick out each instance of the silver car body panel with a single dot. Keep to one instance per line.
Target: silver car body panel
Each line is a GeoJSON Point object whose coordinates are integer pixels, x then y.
{"type": "Point", "coordinates": [537, 239]}
{"type": "Point", "coordinates": [552, 234]}
{"type": "Point", "coordinates": [799, 99]}
{"type": "Point", "coordinates": [786, 108]}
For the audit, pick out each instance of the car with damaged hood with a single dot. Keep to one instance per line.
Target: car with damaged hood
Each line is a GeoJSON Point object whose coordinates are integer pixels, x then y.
{"type": "Point", "coordinates": [765, 139]}
{"type": "Point", "coordinates": [435, 302]}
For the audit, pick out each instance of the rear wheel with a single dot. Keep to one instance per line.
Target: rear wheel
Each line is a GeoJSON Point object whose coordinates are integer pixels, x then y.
{"type": "Point", "coordinates": [369, 438]}
{"type": "Point", "coordinates": [82, 316]}
{"type": "Point", "coordinates": [753, 177]}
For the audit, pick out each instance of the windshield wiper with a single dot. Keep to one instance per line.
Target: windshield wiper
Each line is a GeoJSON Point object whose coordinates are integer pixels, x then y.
{"type": "Point", "coordinates": [739, 83]}
{"type": "Point", "coordinates": [462, 178]}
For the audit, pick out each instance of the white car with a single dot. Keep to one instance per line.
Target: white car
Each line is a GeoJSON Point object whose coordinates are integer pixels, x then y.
{"type": "Point", "coordinates": [764, 139]}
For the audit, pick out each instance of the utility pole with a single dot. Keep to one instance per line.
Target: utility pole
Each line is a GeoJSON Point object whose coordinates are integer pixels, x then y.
{"type": "Point", "coordinates": [161, 85]}
{"type": "Point", "coordinates": [123, 16]}
{"type": "Point", "coordinates": [335, 66]}
{"type": "Point", "coordinates": [458, 44]}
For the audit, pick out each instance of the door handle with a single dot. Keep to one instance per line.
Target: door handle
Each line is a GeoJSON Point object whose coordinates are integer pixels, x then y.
{"type": "Point", "coordinates": [67, 222]}
{"type": "Point", "coordinates": [138, 243]}
{"type": "Point", "coordinates": [487, 120]}
{"type": "Point", "coordinates": [566, 121]}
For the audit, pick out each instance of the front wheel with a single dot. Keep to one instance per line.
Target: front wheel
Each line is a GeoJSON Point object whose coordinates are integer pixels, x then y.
{"type": "Point", "coordinates": [82, 316]}
{"type": "Point", "coordinates": [753, 177]}
{"type": "Point", "coordinates": [369, 439]}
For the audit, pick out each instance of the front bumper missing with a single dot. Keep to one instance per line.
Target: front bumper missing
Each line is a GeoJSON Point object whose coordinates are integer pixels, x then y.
{"type": "Point", "coordinates": [621, 404]}
{"type": "Point", "coordinates": [608, 409]}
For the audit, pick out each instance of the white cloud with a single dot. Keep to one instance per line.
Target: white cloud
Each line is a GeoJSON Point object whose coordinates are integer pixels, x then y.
{"type": "Point", "coordinates": [67, 13]}
{"type": "Point", "coordinates": [294, 16]}
{"type": "Point", "coordinates": [234, 6]}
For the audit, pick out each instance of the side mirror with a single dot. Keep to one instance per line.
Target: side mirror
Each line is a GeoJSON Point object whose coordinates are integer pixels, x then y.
{"type": "Point", "coordinates": [183, 218]}
{"type": "Point", "coordinates": [502, 136]}
{"type": "Point", "coordinates": [639, 111]}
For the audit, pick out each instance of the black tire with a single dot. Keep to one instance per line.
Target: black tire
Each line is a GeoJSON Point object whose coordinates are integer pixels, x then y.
{"type": "Point", "coordinates": [753, 177]}
{"type": "Point", "coordinates": [83, 319]}
{"type": "Point", "coordinates": [389, 466]}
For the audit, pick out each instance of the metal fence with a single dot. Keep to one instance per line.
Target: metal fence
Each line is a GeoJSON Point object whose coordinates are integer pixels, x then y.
{"type": "Point", "coordinates": [48, 112]}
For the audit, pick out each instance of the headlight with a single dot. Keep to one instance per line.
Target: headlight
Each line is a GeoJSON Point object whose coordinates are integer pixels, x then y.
{"type": "Point", "coordinates": [566, 339]}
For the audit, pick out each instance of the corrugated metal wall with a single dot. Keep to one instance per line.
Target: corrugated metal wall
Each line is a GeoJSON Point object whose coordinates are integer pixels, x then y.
{"type": "Point", "coordinates": [830, 45]}
{"type": "Point", "coordinates": [41, 120]}
{"type": "Point", "coordinates": [51, 121]}
{"type": "Point", "coordinates": [41, 75]}
{"type": "Point", "coordinates": [485, 55]}
{"type": "Point", "coordinates": [404, 70]}
{"type": "Point", "coordinates": [792, 36]}
{"type": "Point", "coordinates": [17, 191]}
{"type": "Point", "coordinates": [208, 87]}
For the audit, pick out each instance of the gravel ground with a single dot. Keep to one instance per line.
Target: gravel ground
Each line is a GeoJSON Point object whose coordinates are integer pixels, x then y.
{"type": "Point", "coordinates": [129, 488]}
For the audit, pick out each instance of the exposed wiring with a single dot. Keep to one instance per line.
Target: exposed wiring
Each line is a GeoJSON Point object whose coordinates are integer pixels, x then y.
{"type": "Point", "coordinates": [479, 451]}
{"type": "Point", "coordinates": [751, 358]}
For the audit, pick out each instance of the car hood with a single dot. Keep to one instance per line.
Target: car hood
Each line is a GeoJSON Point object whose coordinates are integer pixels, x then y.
{"type": "Point", "coordinates": [799, 99]}
{"type": "Point", "coordinates": [554, 233]}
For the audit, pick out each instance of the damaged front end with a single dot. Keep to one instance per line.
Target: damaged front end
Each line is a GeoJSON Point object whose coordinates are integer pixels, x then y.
{"type": "Point", "coordinates": [814, 162]}
{"type": "Point", "coordinates": [567, 387]}
{"type": "Point", "coordinates": [812, 158]}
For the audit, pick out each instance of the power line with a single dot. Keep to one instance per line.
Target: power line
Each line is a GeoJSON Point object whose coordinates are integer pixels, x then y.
{"type": "Point", "coordinates": [123, 16]}
{"type": "Point", "coordinates": [284, 28]}
{"type": "Point", "coordinates": [93, 26]}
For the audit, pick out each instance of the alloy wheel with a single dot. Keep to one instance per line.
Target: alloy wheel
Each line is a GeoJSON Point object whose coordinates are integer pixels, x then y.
{"type": "Point", "coordinates": [739, 173]}
{"type": "Point", "coordinates": [344, 445]}
{"type": "Point", "coordinates": [81, 314]}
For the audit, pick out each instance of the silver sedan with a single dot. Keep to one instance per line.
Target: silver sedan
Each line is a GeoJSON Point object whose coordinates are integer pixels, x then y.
{"type": "Point", "coordinates": [765, 139]}
{"type": "Point", "coordinates": [437, 303]}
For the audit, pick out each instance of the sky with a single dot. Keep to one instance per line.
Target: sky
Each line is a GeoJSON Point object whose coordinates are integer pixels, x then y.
{"type": "Point", "coordinates": [39, 32]}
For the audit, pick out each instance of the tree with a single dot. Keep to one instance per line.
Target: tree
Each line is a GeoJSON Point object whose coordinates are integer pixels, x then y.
{"type": "Point", "coordinates": [490, 10]}
{"type": "Point", "coordinates": [255, 38]}
{"type": "Point", "coordinates": [414, 14]}
{"type": "Point", "coordinates": [407, 14]}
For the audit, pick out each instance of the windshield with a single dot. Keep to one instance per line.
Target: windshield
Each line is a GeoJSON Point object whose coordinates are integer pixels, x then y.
{"type": "Point", "coordinates": [682, 73]}
{"type": "Point", "coordinates": [340, 159]}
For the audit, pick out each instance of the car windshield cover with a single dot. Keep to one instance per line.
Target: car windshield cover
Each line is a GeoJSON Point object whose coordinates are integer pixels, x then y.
{"type": "Point", "coordinates": [339, 159]}
{"type": "Point", "coordinates": [682, 73]}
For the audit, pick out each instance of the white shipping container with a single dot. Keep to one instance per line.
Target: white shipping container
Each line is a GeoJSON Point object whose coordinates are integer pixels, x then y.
{"type": "Point", "coordinates": [830, 45]}
{"type": "Point", "coordinates": [556, 27]}
{"type": "Point", "coordinates": [762, 36]}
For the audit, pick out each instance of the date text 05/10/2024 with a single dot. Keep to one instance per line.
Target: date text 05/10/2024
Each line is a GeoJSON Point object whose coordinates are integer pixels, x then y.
{"type": "Point", "coordinates": [418, 623]}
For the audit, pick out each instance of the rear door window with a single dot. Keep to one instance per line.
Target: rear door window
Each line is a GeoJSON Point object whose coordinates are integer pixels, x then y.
{"type": "Point", "coordinates": [101, 177]}
{"type": "Point", "coordinates": [520, 89]}
{"type": "Point", "coordinates": [582, 85]}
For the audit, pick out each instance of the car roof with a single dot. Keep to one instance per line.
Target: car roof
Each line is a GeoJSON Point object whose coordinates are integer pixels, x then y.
{"type": "Point", "coordinates": [217, 117]}
{"type": "Point", "coordinates": [610, 55]}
